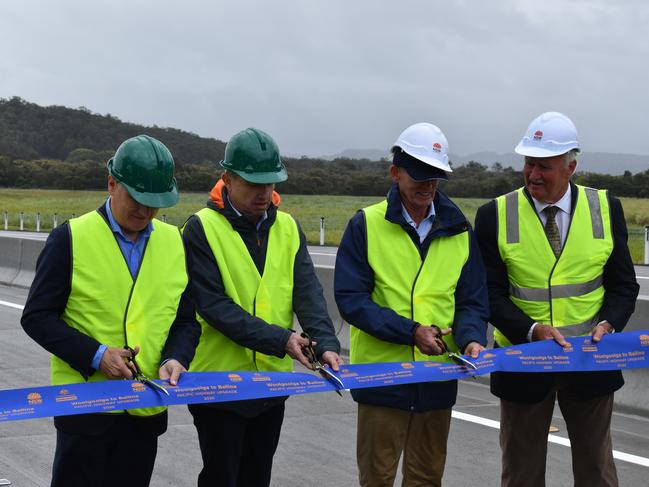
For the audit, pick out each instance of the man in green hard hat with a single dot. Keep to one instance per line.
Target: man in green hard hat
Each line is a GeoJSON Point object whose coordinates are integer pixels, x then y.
{"type": "Point", "coordinates": [250, 271]}
{"type": "Point", "coordinates": [110, 286]}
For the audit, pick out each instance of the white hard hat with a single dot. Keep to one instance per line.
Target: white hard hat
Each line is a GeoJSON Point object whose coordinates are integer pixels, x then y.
{"type": "Point", "coordinates": [550, 134]}
{"type": "Point", "coordinates": [426, 142]}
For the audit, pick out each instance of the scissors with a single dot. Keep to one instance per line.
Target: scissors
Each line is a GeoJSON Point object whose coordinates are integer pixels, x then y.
{"type": "Point", "coordinates": [309, 352]}
{"type": "Point", "coordinates": [139, 376]}
{"type": "Point", "coordinates": [454, 356]}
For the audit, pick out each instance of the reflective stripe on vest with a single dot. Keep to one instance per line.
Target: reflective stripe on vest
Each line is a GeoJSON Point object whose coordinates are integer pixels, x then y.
{"type": "Point", "coordinates": [268, 296]}
{"type": "Point", "coordinates": [565, 292]}
{"type": "Point", "coordinates": [108, 305]}
{"type": "Point", "coordinates": [420, 291]}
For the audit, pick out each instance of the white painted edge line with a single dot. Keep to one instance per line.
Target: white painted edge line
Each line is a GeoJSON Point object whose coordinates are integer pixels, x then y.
{"type": "Point", "coordinates": [618, 455]}
{"type": "Point", "coordinates": [320, 266]}
{"type": "Point", "coordinates": [334, 255]}
{"type": "Point", "coordinates": [637, 277]}
{"type": "Point", "coordinates": [11, 305]}
{"type": "Point", "coordinates": [625, 457]}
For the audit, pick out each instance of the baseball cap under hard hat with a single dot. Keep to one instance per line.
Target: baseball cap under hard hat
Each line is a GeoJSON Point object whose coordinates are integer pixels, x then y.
{"type": "Point", "coordinates": [550, 134]}
{"type": "Point", "coordinates": [417, 170]}
{"type": "Point", "coordinates": [426, 143]}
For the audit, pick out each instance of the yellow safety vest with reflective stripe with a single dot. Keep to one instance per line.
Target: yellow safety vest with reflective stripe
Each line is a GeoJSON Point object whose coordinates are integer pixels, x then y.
{"type": "Point", "coordinates": [422, 291]}
{"type": "Point", "coordinates": [566, 292]}
{"type": "Point", "coordinates": [268, 296]}
{"type": "Point", "coordinates": [108, 304]}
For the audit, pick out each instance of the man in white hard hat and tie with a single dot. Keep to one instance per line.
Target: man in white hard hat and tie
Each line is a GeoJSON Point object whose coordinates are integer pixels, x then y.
{"type": "Point", "coordinates": [408, 270]}
{"type": "Point", "coordinates": [558, 266]}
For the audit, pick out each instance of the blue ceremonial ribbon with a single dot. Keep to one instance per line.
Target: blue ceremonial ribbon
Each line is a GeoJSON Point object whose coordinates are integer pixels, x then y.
{"type": "Point", "coordinates": [628, 350]}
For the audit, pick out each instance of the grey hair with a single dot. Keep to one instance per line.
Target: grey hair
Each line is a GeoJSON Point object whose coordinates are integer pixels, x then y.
{"type": "Point", "coordinates": [570, 156]}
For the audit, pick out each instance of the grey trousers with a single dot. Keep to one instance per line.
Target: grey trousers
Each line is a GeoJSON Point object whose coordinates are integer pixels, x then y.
{"type": "Point", "coordinates": [524, 432]}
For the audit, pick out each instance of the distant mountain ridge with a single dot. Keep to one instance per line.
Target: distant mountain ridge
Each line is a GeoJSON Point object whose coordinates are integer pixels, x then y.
{"type": "Point", "coordinates": [597, 162]}
{"type": "Point", "coordinates": [29, 131]}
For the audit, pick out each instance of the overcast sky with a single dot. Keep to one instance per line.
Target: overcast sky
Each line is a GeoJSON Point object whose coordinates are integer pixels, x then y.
{"type": "Point", "coordinates": [324, 76]}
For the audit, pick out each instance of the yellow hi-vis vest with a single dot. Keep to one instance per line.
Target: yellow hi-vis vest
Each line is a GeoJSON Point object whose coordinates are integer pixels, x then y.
{"type": "Point", "coordinates": [423, 291]}
{"type": "Point", "coordinates": [108, 304]}
{"type": "Point", "coordinates": [268, 296]}
{"type": "Point", "coordinates": [566, 292]}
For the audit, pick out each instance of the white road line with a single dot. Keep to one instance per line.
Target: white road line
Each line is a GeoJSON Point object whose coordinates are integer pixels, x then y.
{"type": "Point", "coordinates": [320, 266]}
{"type": "Point", "coordinates": [11, 305]}
{"type": "Point", "coordinates": [323, 253]}
{"type": "Point", "coordinates": [641, 277]}
{"type": "Point", "coordinates": [625, 457]}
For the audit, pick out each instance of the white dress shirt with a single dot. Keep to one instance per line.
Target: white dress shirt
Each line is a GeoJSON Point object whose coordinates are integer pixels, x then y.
{"type": "Point", "coordinates": [562, 216]}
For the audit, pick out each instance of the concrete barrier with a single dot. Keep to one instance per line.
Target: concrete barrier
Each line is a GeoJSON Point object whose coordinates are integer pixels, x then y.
{"type": "Point", "coordinates": [30, 251]}
{"type": "Point", "coordinates": [634, 396]}
{"type": "Point", "coordinates": [10, 250]}
{"type": "Point", "coordinates": [18, 260]}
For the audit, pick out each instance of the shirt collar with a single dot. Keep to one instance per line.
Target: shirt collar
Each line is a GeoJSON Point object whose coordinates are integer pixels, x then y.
{"type": "Point", "coordinates": [406, 215]}
{"type": "Point", "coordinates": [261, 220]}
{"type": "Point", "coordinates": [564, 204]}
{"type": "Point", "coordinates": [114, 226]}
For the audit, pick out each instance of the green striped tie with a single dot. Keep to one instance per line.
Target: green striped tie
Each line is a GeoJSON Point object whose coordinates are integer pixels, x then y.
{"type": "Point", "coordinates": [552, 230]}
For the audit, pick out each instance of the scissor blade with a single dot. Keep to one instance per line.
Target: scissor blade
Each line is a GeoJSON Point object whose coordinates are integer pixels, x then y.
{"type": "Point", "coordinates": [327, 374]}
{"type": "Point", "coordinates": [461, 360]}
{"type": "Point", "coordinates": [155, 386]}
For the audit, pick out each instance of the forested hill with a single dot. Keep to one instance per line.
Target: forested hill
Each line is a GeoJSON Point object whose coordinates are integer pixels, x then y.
{"type": "Point", "coordinates": [65, 148]}
{"type": "Point", "coordinates": [29, 131]}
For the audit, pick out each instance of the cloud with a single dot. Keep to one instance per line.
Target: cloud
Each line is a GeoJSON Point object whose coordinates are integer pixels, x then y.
{"type": "Point", "coordinates": [325, 76]}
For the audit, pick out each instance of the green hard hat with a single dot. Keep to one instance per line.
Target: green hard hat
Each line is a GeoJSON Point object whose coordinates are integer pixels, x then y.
{"type": "Point", "coordinates": [145, 167]}
{"type": "Point", "coordinates": [254, 155]}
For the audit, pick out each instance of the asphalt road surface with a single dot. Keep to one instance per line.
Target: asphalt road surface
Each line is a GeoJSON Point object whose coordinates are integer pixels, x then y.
{"type": "Point", "coordinates": [317, 447]}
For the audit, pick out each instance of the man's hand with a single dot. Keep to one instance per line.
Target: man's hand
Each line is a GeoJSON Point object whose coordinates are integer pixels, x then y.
{"type": "Point", "coordinates": [473, 349]}
{"type": "Point", "coordinates": [545, 332]}
{"type": "Point", "coordinates": [600, 330]}
{"type": "Point", "coordinates": [333, 360]}
{"type": "Point", "coordinates": [171, 371]}
{"type": "Point", "coordinates": [114, 363]}
{"type": "Point", "coordinates": [428, 340]}
{"type": "Point", "coordinates": [294, 347]}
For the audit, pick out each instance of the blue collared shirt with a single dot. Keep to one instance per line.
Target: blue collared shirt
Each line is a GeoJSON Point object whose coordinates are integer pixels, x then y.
{"type": "Point", "coordinates": [132, 252]}
{"type": "Point", "coordinates": [261, 220]}
{"type": "Point", "coordinates": [425, 225]}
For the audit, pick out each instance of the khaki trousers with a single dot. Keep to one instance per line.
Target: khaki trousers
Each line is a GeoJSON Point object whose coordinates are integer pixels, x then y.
{"type": "Point", "coordinates": [524, 435]}
{"type": "Point", "coordinates": [384, 433]}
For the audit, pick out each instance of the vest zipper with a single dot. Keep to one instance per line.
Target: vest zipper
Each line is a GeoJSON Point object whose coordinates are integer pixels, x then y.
{"type": "Point", "coordinates": [254, 302]}
{"type": "Point", "coordinates": [412, 302]}
{"type": "Point", "coordinates": [254, 352]}
{"type": "Point", "coordinates": [130, 294]}
{"type": "Point", "coordinates": [128, 304]}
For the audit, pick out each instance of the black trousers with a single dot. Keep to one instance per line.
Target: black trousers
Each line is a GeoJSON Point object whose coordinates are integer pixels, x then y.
{"type": "Point", "coordinates": [105, 451]}
{"type": "Point", "coordinates": [237, 451]}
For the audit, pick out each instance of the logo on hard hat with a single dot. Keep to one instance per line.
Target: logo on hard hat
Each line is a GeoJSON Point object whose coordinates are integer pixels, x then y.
{"type": "Point", "coordinates": [437, 147]}
{"type": "Point", "coordinates": [538, 135]}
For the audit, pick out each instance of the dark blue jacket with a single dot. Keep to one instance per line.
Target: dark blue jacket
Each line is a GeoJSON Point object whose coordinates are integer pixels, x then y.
{"type": "Point", "coordinates": [354, 283]}
{"type": "Point", "coordinates": [41, 320]}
